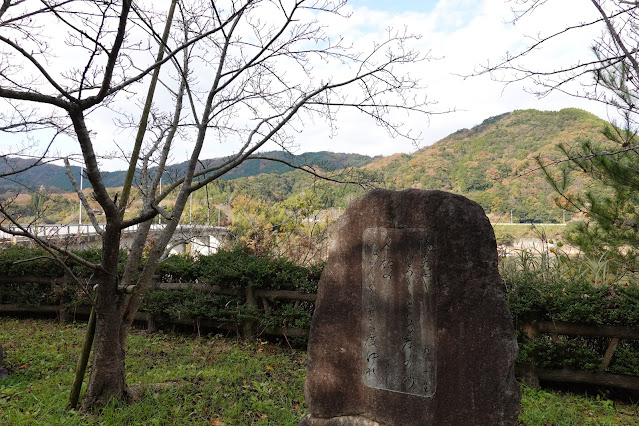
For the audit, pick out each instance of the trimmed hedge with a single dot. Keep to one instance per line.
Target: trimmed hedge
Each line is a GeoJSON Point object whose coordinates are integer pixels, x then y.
{"type": "Point", "coordinates": [17, 261]}
{"type": "Point", "coordinates": [532, 299]}
{"type": "Point", "coordinates": [236, 268]}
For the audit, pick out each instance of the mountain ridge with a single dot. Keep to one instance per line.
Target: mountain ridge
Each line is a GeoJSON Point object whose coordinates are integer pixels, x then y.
{"type": "Point", "coordinates": [54, 178]}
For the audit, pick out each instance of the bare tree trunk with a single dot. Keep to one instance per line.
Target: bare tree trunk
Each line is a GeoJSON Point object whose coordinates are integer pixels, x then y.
{"type": "Point", "coordinates": [107, 378]}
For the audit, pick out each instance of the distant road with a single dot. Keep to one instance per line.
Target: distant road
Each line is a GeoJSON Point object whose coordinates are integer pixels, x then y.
{"type": "Point", "coordinates": [528, 224]}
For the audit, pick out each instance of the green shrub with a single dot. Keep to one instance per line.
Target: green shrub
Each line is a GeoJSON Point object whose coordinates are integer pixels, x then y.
{"type": "Point", "coordinates": [93, 255]}
{"type": "Point", "coordinates": [239, 268]}
{"type": "Point", "coordinates": [27, 294]}
{"type": "Point", "coordinates": [626, 360]}
{"type": "Point", "coordinates": [567, 352]}
{"type": "Point", "coordinates": [580, 301]}
{"type": "Point", "coordinates": [178, 268]}
{"type": "Point", "coordinates": [18, 261]}
{"type": "Point", "coordinates": [191, 303]}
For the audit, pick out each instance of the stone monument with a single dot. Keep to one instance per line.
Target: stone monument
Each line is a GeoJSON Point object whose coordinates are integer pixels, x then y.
{"type": "Point", "coordinates": [410, 324]}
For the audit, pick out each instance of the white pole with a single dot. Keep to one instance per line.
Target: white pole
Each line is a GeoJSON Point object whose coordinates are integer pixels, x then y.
{"type": "Point", "coordinates": [191, 209]}
{"type": "Point", "coordinates": [159, 215]}
{"type": "Point", "coordinates": [80, 214]}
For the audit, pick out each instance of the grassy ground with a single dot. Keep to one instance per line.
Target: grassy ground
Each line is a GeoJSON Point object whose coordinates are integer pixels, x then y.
{"type": "Point", "coordinates": [201, 381]}
{"type": "Point", "coordinates": [204, 381]}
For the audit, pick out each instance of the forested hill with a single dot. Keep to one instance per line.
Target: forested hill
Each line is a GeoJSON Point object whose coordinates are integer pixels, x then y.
{"type": "Point", "coordinates": [323, 159]}
{"type": "Point", "coordinates": [54, 177]}
{"type": "Point", "coordinates": [494, 163]}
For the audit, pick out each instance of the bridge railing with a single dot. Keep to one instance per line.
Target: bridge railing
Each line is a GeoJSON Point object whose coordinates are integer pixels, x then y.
{"type": "Point", "coordinates": [50, 231]}
{"type": "Point", "coordinates": [85, 229]}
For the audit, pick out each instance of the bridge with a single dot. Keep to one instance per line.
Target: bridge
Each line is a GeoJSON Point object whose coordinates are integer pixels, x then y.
{"type": "Point", "coordinates": [191, 239]}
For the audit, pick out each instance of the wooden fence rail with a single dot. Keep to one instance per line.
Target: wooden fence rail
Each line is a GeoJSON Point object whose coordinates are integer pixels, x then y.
{"type": "Point", "coordinates": [531, 374]}
{"type": "Point", "coordinates": [253, 297]}
{"type": "Point", "coordinates": [261, 299]}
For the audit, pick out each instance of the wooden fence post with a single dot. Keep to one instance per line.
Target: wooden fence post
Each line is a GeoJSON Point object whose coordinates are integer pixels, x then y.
{"type": "Point", "coordinates": [62, 310]}
{"type": "Point", "coordinates": [248, 326]}
{"type": "Point", "coordinates": [610, 352]}
{"type": "Point", "coordinates": [528, 372]}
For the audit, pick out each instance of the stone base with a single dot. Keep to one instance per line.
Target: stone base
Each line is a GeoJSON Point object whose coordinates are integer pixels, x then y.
{"type": "Point", "coordinates": [308, 420]}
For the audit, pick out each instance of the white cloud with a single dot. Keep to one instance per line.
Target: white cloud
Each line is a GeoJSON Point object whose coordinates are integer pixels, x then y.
{"type": "Point", "coordinates": [466, 34]}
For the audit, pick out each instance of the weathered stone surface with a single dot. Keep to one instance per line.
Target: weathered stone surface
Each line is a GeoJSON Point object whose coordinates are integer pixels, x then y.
{"type": "Point", "coordinates": [410, 325]}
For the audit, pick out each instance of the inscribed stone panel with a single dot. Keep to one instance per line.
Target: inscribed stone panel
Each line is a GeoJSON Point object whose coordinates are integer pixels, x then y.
{"type": "Point", "coordinates": [398, 343]}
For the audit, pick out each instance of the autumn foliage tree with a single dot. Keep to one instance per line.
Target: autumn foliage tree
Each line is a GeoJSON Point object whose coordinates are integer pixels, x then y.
{"type": "Point", "coordinates": [238, 72]}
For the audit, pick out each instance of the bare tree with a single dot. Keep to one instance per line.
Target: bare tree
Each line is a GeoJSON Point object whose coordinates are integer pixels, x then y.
{"type": "Point", "coordinates": [615, 49]}
{"type": "Point", "coordinates": [242, 72]}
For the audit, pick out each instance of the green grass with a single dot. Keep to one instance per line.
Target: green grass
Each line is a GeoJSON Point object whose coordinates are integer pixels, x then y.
{"type": "Point", "coordinates": [526, 230]}
{"type": "Point", "coordinates": [541, 407]}
{"type": "Point", "coordinates": [212, 380]}
{"type": "Point", "coordinates": [182, 380]}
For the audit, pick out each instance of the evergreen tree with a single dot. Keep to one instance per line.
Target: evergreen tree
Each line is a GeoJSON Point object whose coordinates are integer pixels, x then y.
{"type": "Point", "coordinates": [610, 230]}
